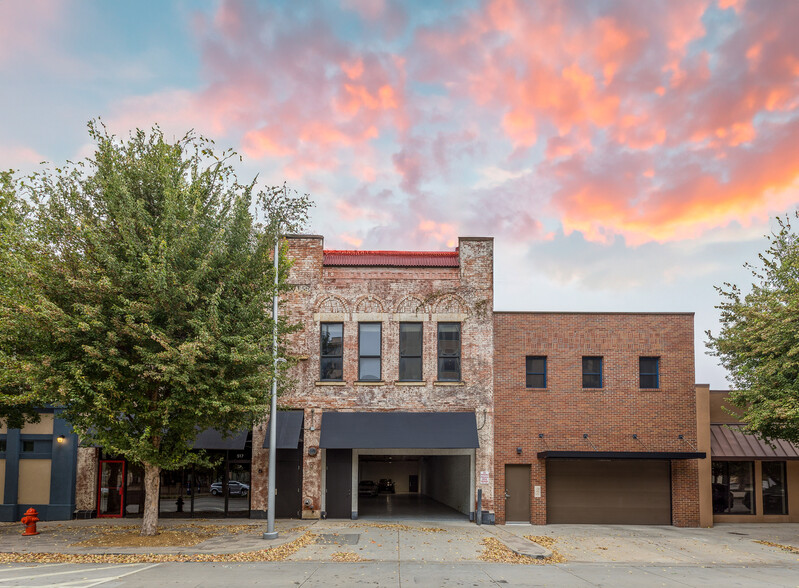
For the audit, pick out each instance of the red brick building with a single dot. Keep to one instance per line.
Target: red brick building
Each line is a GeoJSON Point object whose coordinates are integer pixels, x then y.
{"type": "Point", "coordinates": [394, 383]}
{"type": "Point", "coordinates": [595, 418]}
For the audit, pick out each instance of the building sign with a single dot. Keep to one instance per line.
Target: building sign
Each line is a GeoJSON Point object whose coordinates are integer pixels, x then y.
{"type": "Point", "coordinates": [483, 477]}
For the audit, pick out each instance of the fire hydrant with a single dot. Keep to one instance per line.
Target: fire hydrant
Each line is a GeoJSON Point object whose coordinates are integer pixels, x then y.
{"type": "Point", "coordinates": [29, 520]}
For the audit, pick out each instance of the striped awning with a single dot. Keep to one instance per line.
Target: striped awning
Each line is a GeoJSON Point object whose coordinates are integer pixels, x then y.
{"type": "Point", "coordinates": [728, 442]}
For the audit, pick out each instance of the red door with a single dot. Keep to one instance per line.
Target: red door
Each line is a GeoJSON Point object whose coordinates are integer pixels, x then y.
{"type": "Point", "coordinates": [110, 497]}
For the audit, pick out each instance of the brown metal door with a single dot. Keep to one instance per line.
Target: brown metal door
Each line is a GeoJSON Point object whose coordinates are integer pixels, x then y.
{"type": "Point", "coordinates": [288, 502]}
{"type": "Point", "coordinates": [621, 492]}
{"type": "Point", "coordinates": [517, 493]}
{"type": "Point", "coordinates": [338, 495]}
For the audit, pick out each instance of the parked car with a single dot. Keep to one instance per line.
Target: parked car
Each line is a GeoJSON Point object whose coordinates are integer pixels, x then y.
{"type": "Point", "coordinates": [367, 488]}
{"type": "Point", "coordinates": [234, 488]}
{"type": "Point", "coordinates": [386, 485]}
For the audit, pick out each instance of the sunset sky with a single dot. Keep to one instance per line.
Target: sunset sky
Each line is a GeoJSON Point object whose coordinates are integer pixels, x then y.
{"type": "Point", "coordinates": [626, 156]}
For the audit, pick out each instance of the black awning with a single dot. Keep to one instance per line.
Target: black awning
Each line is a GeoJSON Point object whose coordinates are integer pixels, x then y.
{"type": "Point", "coordinates": [213, 439]}
{"type": "Point", "coordinates": [622, 454]}
{"type": "Point", "coordinates": [289, 429]}
{"type": "Point", "coordinates": [399, 430]}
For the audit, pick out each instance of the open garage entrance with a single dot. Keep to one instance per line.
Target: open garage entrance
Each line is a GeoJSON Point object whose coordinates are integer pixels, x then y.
{"type": "Point", "coordinates": [399, 465]}
{"type": "Point", "coordinates": [415, 487]}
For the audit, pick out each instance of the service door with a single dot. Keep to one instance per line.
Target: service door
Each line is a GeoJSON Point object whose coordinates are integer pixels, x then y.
{"type": "Point", "coordinates": [620, 492]}
{"type": "Point", "coordinates": [517, 493]}
{"type": "Point", "coordinates": [288, 502]}
{"type": "Point", "coordinates": [338, 497]}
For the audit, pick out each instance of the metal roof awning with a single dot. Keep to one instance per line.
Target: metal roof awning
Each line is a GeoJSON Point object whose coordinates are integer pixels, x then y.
{"type": "Point", "coordinates": [289, 429]}
{"type": "Point", "coordinates": [213, 439]}
{"type": "Point", "coordinates": [399, 430]}
{"type": "Point", "coordinates": [622, 454]}
{"type": "Point", "coordinates": [728, 442]}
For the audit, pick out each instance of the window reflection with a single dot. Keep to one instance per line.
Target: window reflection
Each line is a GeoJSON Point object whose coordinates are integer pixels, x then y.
{"type": "Point", "coordinates": [733, 490]}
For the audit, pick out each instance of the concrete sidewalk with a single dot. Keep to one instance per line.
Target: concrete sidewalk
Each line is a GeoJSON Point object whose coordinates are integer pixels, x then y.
{"type": "Point", "coordinates": [419, 542]}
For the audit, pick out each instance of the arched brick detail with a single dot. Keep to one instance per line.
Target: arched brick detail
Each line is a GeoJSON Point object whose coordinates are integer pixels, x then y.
{"type": "Point", "coordinates": [331, 304]}
{"type": "Point", "coordinates": [368, 304]}
{"type": "Point", "coordinates": [450, 303]}
{"type": "Point", "coordinates": [411, 304]}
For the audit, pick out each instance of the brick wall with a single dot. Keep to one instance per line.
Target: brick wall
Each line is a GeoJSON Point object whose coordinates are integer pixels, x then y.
{"type": "Point", "coordinates": [564, 411]}
{"type": "Point", "coordinates": [352, 294]}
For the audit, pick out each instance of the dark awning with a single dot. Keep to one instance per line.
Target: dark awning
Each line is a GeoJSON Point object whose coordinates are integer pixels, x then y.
{"type": "Point", "coordinates": [399, 430]}
{"type": "Point", "coordinates": [730, 442]}
{"type": "Point", "coordinates": [289, 429]}
{"type": "Point", "coordinates": [622, 454]}
{"type": "Point", "coordinates": [213, 439]}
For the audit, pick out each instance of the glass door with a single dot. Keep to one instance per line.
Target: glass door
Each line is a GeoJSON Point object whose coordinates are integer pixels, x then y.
{"type": "Point", "coordinates": [110, 499]}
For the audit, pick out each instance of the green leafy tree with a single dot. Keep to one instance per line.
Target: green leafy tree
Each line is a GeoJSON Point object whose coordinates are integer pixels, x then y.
{"type": "Point", "coordinates": [146, 294]}
{"type": "Point", "coordinates": [759, 339]}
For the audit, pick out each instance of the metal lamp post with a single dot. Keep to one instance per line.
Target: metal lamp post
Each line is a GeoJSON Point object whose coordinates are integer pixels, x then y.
{"type": "Point", "coordinates": [270, 513]}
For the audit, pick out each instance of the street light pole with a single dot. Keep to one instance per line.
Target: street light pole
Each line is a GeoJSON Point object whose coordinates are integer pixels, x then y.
{"type": "Point", "coordinates": [270, 505]}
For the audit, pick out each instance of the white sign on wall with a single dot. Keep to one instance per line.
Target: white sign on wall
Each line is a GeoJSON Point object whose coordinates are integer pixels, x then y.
{"type": "Point", "coordinates": [483, 477]}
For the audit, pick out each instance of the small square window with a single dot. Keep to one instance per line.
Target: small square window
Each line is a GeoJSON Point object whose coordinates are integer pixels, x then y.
{"type": "Point", "coordinates": [28, 446]}
{"type": "Point", "coordinates": [2, 445]}
{"type": "Point", "coordinates": [592, 372]}
{"type": "Point", "coordinates": [649, 371]}
{"type": "Point", "coordinates": [536, 371]}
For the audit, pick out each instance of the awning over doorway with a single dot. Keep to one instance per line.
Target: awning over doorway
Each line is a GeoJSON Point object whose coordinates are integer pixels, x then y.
{"type": "Point", "coordinates": [213, 439]}
{"type": "Point", "coordinates": [289, 429]}
{"type": "Point", "coordinates": [401, 430]}
{"type": "Point", "coordinates": [729, 442]}
{"type": "Point", "coordinates": [621, 454]}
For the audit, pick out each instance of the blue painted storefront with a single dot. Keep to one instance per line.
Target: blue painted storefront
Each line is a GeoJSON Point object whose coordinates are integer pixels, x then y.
{"type": "Point", "coordinates": [63, 468]}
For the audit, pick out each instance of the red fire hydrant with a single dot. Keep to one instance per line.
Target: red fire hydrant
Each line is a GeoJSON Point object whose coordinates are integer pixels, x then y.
{"type": "Point", "coordinates": [29, 520]}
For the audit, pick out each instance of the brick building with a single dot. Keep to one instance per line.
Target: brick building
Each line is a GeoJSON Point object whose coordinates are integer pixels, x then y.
{"type": "Point", "coordinates": [394, 382]}
{"type": "Point", "coordinates": [595, 418]}
{"type": "Point", "coordinates": [410, 394]}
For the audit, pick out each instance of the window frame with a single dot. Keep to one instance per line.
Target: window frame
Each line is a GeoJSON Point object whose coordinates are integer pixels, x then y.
{"type": "Point", "coordinates": [528, 373]}
{"type": "Point", "coordinates": [420, 356]}
{"type": "Point", "coordinates": [783, 465]}
{"type": "Point", "coordinates": [439, 356]}
{"type": "Point", "coordinates": [642, 374]}
{"type": "Point", "coordinates": [323, 356]}
{"type": "Point", "coordinates": [379, 357]}
{"type": "Point", "coordinates": [600, 373]}
{"type": "Point", "coordinates": [724, 466]}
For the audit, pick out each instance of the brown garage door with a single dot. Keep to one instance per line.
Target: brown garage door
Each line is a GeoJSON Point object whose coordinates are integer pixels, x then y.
{"type": "Point", "coordinates": [622, 492]}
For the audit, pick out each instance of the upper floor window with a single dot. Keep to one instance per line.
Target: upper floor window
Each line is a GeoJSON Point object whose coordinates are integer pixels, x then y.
{"type": "Point", "coordinates": [536, 371]}
{"type": "Point", "coordinates": [410, 350]}
{"type": "Point", "coordinates": [649, 372]}
{"type": "Point", "coordinates": [331, 352]}
{"type": "Point", "coordinates": [369, 340]}
{"type": "Point", "coordinates": [592, 372]}
{"type": "Point", "coordinates": [449, 352]}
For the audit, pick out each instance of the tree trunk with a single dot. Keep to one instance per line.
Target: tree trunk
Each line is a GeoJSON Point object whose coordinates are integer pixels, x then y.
{"type": "Point", "coordinates": [152, 484]}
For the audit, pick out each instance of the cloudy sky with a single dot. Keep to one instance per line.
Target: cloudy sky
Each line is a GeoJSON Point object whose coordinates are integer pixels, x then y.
{"type": "Point", "coordinates": [626, 155]}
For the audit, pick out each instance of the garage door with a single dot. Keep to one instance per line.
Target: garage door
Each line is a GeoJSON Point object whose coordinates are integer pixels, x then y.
{"type": "Point", "coordinates": [622, 492]}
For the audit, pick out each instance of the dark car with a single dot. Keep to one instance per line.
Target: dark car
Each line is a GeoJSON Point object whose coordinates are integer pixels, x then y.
{"type": "Point", "coordinates": [367, 488]}
{"type": "Point", "coordinates": [234, 488]}
{"type": "Point", "coordinates": [386, 485]}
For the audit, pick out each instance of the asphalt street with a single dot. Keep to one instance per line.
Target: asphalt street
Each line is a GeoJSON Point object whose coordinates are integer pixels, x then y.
{"type": "Point", "coordinates": [399, 574]}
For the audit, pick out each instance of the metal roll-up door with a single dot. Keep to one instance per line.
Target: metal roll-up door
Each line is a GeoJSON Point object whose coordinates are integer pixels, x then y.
{"type": "Point", "coordinates": [622, 492]}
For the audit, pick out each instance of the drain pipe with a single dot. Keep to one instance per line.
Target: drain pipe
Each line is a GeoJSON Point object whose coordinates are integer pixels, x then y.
{"type": "Point", "coordinates": [479, 514]}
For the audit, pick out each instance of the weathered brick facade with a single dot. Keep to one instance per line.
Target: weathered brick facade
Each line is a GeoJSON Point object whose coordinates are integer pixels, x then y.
{"type": "Point", "coordinates": [389, 295]}
{"type": "Point", "coordinates": [611, 415]}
